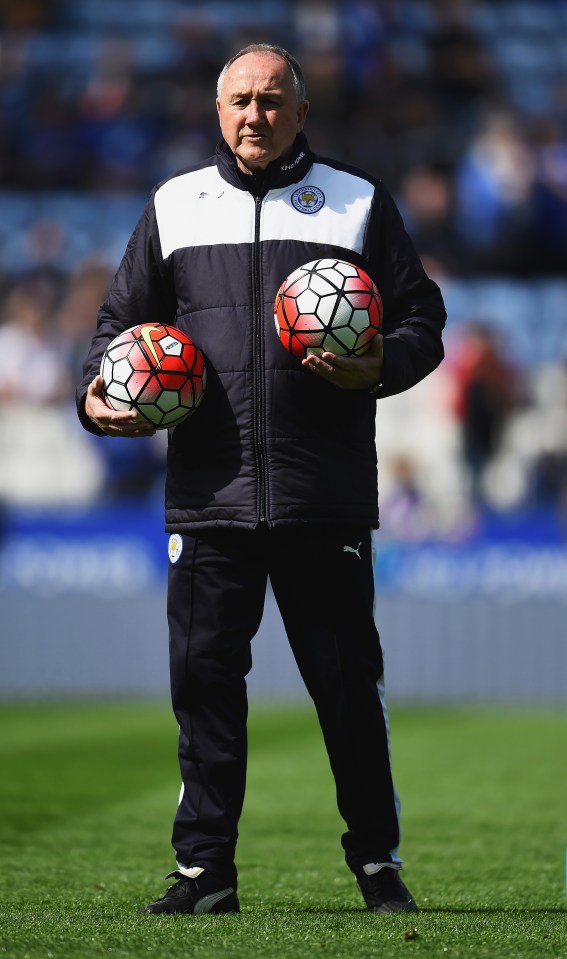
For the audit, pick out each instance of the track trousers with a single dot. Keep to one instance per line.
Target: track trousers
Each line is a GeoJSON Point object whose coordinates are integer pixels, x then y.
{"type": "Point", "coordinates": [323, 582]}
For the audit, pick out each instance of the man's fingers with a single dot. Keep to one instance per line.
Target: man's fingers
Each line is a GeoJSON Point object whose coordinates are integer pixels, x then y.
{"type": "Point", "coordinates": [349, 372]}
{"type": "Point", "coordinates": [318, 363]}
{"type": "Point", "coordinates": [127, 423]}
{"type": "Point", "coordinates": [336, 362]}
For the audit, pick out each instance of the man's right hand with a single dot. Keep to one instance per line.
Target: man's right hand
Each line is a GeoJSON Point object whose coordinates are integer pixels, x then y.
{"type": "Point", "coordinates": [114, 422]}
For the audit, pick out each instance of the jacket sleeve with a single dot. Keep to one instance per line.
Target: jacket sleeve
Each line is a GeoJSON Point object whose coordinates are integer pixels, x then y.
{"type": "Point", "coordinates": [414, 313]}
{"type": "Point", "coordinates": [141, 292]}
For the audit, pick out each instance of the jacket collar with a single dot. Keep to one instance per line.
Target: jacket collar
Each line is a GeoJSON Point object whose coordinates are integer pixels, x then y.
{"type": "Point", "coordinates": [279, 173]}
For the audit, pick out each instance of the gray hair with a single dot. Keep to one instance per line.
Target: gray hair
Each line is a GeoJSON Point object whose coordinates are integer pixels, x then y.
{"type": "Point", "coordinates": [293, 64]}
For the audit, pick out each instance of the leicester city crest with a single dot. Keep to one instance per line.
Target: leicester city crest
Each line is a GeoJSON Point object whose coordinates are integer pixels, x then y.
{"type": "Point", "coordinates": [308, 199]}
{"type": "Point", "coordinates": [174, 547]}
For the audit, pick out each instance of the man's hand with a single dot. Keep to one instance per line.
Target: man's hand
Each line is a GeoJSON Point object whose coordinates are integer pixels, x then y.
{"type": "Point", "coordinates": [114, 422]}
{"type": "Point", "coordinates": [350, 372]}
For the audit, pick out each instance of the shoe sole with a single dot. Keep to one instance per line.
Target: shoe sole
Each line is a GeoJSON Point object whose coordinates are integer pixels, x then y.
{"type": "Point", "coordinates": [389, 907]}
{"type": "Point", "coordinates": [223, 901]}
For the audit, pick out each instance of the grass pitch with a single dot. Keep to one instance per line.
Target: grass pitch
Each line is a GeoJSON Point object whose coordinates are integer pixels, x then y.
{"type": "Point", "coordinates": [88, 793]}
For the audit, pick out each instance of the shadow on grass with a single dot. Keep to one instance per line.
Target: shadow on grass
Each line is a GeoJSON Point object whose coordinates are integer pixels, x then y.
{"type": "Point", "coordinates": [424, 910]}
{"type": "Point", "coordinates": [495, 910]}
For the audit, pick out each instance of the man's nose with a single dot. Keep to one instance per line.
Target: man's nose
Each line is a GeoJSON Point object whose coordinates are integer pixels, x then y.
{"type": "Point", "coordinates": [255, 113]}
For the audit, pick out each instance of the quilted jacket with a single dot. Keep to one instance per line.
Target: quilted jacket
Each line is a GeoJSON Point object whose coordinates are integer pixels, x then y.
{"type": "Point", "coordinates": [271, 442]}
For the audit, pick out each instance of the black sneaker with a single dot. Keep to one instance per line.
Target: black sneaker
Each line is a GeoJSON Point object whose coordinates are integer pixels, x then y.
{"type": "Point", "coordinates": [202, 894]}
{"type": "Point", "coordinates": [383, 891]}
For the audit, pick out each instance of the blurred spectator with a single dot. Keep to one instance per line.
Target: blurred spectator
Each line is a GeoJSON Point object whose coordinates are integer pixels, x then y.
{"type": "Point", "coordinates": [487, 393]}
{"type": "Point", "coordinates": [464, 76]}
{"type": "Point", "coordinates": [362, 35]}
{"type": "Point", "coordinates": [548, 480]}
{"type": "Point", "coordinates": [32, 362]}
{"type": "Point", "coordinates": [46, 145]}
{"type": "Point", "coordinates": [494, 184]}
{"type": "Point", "coordinates": [548, 250]}
{"type": "Point", "coordinates": [547, 471]}
{"type": "Point", "coordinates": [405, 513]}
{"type": "Point", "coordinates": [427, 202]}
{"type": "Point", "coordinates": [27, 14]}
{"type": "Point", "coordinates": [318, 29]}
{"type": "Point", "coordinates": [130, 471]}
{"type": "Point", "coordinates": [42, 254]}
{"type": "Point", "coordinates": [86, 289]}
{"type": "Point", "coordinates": [119, 123]}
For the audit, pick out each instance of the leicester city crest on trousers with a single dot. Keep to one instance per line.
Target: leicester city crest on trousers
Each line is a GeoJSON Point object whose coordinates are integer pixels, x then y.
{"type": "Point", "coordinates": [174, 547]}
{"type": "Point", "coordinates": [308, 199]}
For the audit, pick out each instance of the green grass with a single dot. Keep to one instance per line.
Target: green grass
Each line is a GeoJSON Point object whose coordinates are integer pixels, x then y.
{"type": "Point", "coordinates": [88, 792]}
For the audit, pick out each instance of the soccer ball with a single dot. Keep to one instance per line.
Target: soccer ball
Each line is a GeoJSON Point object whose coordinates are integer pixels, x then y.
{"type": "Point", "coordinates": [156, 370]}
{"type": "Point", "coordinates": [327, 305]}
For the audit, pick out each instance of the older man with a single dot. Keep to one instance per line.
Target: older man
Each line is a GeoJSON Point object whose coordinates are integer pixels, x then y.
{"type": "Point", "coordinates": [277, 470]}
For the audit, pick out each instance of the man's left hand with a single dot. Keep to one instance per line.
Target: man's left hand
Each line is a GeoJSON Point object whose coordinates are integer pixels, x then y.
{"type": "Point", "coordinates": [350, 372]}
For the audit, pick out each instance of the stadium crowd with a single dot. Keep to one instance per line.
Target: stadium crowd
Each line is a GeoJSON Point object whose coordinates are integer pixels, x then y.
{"type": "Point", "coordinates": [459, 105]}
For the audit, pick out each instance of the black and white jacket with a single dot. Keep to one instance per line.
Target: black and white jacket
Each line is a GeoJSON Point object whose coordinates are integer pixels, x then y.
{"type": "Point", "coordinates": [271, 442]}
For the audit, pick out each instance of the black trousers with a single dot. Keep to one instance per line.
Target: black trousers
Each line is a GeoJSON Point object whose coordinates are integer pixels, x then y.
{"type": "Point", "coordinates": [323, 583]}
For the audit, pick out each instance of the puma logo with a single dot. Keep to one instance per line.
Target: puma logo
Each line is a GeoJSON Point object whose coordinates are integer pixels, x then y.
{"type": "Point", "coordinates": [350, 549]}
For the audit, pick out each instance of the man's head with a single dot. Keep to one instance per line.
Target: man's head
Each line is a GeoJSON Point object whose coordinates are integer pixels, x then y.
{"type": "Point", "coordinates": [261, 104]}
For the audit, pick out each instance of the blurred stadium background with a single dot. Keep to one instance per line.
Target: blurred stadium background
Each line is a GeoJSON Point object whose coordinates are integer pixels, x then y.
{"type": "Point", "coordinates": [461, 107]}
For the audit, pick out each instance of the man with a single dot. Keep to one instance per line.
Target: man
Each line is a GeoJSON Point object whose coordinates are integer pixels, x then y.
{"type": "Point", "coordinates": [275, 475]}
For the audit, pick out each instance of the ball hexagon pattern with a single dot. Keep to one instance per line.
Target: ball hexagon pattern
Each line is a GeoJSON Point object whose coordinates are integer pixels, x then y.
{"type": "Point", "coordinates": [156, 370]}
{"type": "Point", "coordinates": [328, 305]}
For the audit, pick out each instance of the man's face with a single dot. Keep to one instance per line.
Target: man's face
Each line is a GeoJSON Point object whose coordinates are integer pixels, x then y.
{"type": "Point", "coordinates": [258, 113]}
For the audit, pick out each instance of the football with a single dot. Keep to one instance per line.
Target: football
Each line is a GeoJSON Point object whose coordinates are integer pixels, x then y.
{"type": "Point", "coordinates": [156, 370]}
{"type": "Point", "coordinates": [328, 305]}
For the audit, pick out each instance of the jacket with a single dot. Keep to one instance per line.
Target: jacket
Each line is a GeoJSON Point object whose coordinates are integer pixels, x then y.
{"type": "Point", "coordinates": [271, 443]}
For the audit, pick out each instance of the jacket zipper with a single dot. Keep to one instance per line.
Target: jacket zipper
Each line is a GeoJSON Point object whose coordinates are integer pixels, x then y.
{"type": "Point", "coordinates": [258, 373]}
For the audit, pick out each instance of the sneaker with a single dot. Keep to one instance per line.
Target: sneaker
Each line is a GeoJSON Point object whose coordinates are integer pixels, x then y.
{"type": "Point", "coordinates": [383, 890]}
{"type": "Point", "coordinates": [200, 894]}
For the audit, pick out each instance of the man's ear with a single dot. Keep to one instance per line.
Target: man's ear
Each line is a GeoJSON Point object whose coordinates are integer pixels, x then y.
{"type": "Point", "coordinates": [302, 111]}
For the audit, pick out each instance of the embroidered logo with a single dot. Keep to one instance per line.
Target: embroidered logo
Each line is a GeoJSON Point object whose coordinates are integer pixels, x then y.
{"type": "Point", "coordinates": [174, 547]}
{"type": "Point", "coordinates": [350, 549]}
{"type": "Point", "coordinates": [290, 166]}
{"type": "Point", "coordinates": [308, 199]}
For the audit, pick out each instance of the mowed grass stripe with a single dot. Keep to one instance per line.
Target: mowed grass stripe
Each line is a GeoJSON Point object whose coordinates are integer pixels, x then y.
{"type": "Point", "coordinates": [88, 792]}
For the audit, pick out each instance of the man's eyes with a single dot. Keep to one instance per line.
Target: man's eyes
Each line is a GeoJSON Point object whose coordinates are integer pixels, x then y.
{"type": "Point", "coordinates": [264, 101]}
